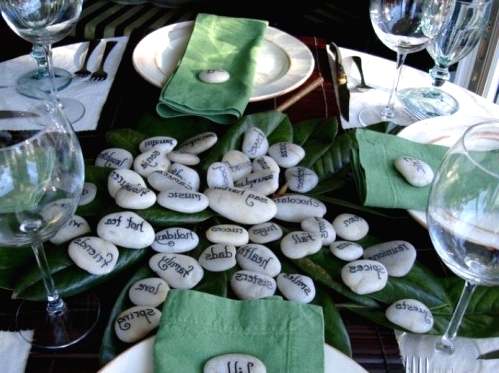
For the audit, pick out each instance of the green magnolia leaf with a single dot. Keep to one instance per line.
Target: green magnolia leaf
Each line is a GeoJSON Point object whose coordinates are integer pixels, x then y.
{"type": "Point", "coordinates": [125, 138]}
{"type": "Point", "coordinates": [316, 137]}
{"type": "Point", "coordinates": [181, 128]}
{"type": "Point", "coordinates": [12, 257]}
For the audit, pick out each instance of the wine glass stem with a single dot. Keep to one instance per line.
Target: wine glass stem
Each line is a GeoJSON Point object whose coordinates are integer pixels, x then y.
{"type": "Point", "coordinates": [388, 111]}
{"type": "Point", "coordinates": [50, 69]}
{"type": "Point", "coordinates": [446, 343]}
{"type": "Point", "coordinates": [56, 304]}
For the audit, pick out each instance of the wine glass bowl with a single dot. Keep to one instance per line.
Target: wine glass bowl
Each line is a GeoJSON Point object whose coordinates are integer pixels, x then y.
{"type": "Point", "coordinates": [459, 37]}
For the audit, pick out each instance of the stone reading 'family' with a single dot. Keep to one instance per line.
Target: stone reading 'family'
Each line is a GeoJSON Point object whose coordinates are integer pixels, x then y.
{"type": "Point", "coordinates": [178, 270]}
{"type": "Point", "coordinates": [364, 276]}
{"type": "Point", "coordinates": [126, 229]}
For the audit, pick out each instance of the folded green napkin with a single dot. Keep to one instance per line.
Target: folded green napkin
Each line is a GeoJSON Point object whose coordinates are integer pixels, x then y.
{"type": "Point", "coordinates": [378, 182]}
{"type": "Point", "coordinates": [217, 42]}
{"type": "Point", "coordinates": [195, 327]}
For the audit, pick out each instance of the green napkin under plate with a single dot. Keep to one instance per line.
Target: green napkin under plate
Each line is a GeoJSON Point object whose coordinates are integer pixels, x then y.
{"type": "Point", "coordinates": [378, 182]}
{"type": "Point", "coordinates": [195, 327]}
{"type": "Point", "coordinates": [217, 42]}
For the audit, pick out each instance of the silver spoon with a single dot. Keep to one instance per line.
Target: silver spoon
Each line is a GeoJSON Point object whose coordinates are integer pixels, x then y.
{"type": "Point", "coordinates": [358, 63]}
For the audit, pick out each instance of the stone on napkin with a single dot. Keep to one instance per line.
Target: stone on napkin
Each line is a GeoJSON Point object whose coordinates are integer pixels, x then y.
{"type": "Point", "coordinates": [197, 326]}
{"type": "Point", "coordinates": [217, 42]}
{"type": "Point", "coordinates": [378, 182]}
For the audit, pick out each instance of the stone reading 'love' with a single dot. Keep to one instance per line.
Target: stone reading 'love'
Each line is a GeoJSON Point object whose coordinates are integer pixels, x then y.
{"type": "Point", "coordinates": [150, 291]}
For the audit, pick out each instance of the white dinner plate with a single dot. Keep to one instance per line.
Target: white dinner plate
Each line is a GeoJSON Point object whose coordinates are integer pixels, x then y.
{"type": "Point", "coordinates": [139, 359]}
{"type": "Point", "coordinates": [284, 62]}
{"type": "Point", "coordinates": [440, 131]}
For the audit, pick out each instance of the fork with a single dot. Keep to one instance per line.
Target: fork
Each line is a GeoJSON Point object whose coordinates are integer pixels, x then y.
{"type": "Point", "coordinates": [83, 72]}
{"type": "Point", "coordinates": [415, 364]}
{"type": "Point", "coordinates": [100, 74]}
{"type": "Point", "coordinates": [358, 62]}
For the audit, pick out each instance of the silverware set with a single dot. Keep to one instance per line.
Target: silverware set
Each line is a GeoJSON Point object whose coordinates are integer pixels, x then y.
{"type": "Point", "coordinates": [100, 74]}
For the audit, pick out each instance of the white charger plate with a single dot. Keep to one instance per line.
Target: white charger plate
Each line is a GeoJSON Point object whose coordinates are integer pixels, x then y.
{"type": "Point", "coordinates": [284, 62]}
{"type": "Point", "coordinates": [139, 359]}
{"type": "Point", "coordinates": [439, 131]}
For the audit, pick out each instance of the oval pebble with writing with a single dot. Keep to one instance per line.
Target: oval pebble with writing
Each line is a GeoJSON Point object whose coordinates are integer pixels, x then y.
{"type": "Point", "coordinates": [126, 229]}
{"type": "Point", "coordinates": [350, 227]}
{"type": "Point", "coordinates": [252, 285]}
{"type": "Point", "coordinates": [135, 197]}
{"type": "Point", "coordinates": [219, 175]}
{"type": "Point", "coordinates": [417, 172]}
{"type": "Point", "coordinates": [164, 143]}
{"type": "Point", "coordinates": [364, 276]}
{"type": "Point", "coordinates": [410, 314]}
{"type": "Point", "coordinates": [227, 233]}
{"type": "Point", "coordinates": [299, 244]}
{"type": "Point", "coordinates": [264, 182]}
{"type": "Point", "coordinates": [136, 322]}
{"type": "Point", "coordinates": [186, 173]}
{"type": "Point", "coordinates": [164, 180]}
{"type": "Point", "coordinates": [296, 287]}
{"type": "Point", "coordinates": [117, 179]}
{"type": "Point", "coordinates": [286, 154]}
{"type": "Point", "coordinates": [150, 291]}
{"type": "Point", "coordinates": [294, 208]}
{"type": "Point", "coordinates": [199, 143]}
{"type": "Point", "coordinates": [237, 363]}
{"type": "Point", "coordinates": [238, 162]}
{"type": "Point", "coordinates": [321, 226]}
{"type": "Point", "coordinates": [240, 205]}
{"type": "Point", "coordinates": [183, 158]}
{"type": "Point", "coordinates": [301, 179]}
{"type": "Point", "coordinates": [151, 160]}
{"type": "Point", "coordinates": [114, 158]}
{"type": "Point", "coordinates": [214, 76]}
{"type": "Point", "coordinates": [265, 232]}
{"type": "Point", "coordinates": [88, 193]}
{"type": "Point", "coordinates": [76, 226]}
{"type": "Point", "coordinates": [183, 200]}
{"type": "Point", "coordinates": [218, 257]}
{"type": "Point", "coordinates": [397, 256]}
{"type": "Point", "coordinates": [93, 254]}
{"type": "Point", "coordinates": [265, 163]}
{"type": "Point", "coordinates": [346, 250]}
{"type": "Point", "coordinates": [258, 258]}
{"type": "Point", "coordinates": [255, 143]}
{"type": "Point", "coordinates": [175, 240]}
{"type": "Point", "coordinates": [178, 270]}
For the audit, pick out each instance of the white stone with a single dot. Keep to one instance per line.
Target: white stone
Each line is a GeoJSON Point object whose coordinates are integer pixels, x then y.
{"type": "Point", "coordinates": [234, 363]}
{"type": "Point", "coordinates": [199, 143]}
{"type": "Point", "coordinates": [265, 163]}
{"type": "Point", "coordinates": [240, 205]}
{"type": "Point", "coordinates": [118, 178]}
{"type": "Point", "coordinates": [321, 226]}
{"type": "Point", "coordinates": [350, 227]}
{"type": "Point", "coordinates": [88, 193]}
{"type": "Point", "coordinates": [264, 182]}
{"type": "Point", "coordinates": [186, 173]}
{"type": "Point", "coordinates": [410, 314]}
{"type": "Point", "coordinates": [286, 154]}
{"type": "Point", "coordinates": [265, 232]}
{"type": "Point", "coordinates": [417, 172]}
{"type": "Point", "coordinates": [296, 287]}
{"type": "Point", "coordinates": [76, 226]}
{"type": "Point", "coordinates": [252, 285]}
{"type": "Point", "coordinates": [346, 250]}
{"type": "Point", "coordinates": [238, 162]}
{"type": "Point", "coordinates": [175, 240]}
{"type": "Point", "coordinates": [255, 143]}
{"type": "Point", "coordinates": [136, 322]}
{"type": "Point", "coordinates": [218, 257]}
{"type": "Point", "coordinates": [135, 197]}
{"type": "Point", "coordinates": [188, 201]}
{"type": "Point", "coordinates": [164, 143]}
{"type": "Point", "coordinates": [219, 175]}
{"type": "Point", "coordinates": [150, 291]}
{"type": "Point", "coordinates": [397, 256]}
{"type": "Point", "coordinates": [294, 208]}
{"type": "Point", "coordinates": [258, 258]}
{"type": "Point", "coordinates": [227, 233]}
{"type": "Point", "coordinates": [178, 270]}
{"type": "Point", "coordinates": [183, 158]}
{"type": "Point", "coordinates": [301, 179]}
{"type": "Point", "coordinates": [93, 254]}
{"type": "Point", "coordinates": [364, 276]}
{"type": "Point", "coordinates": [114, 158]}
{"type": "Point", "coordinates": [126, 229]}
{"type": "Point", "coordinates": [214, 76]}
{"type": "Point", "coordinates": [152, 160]}
{"type": "Point", "coordinates": [163, 180]}
{"type": "Point", "coordinates": [299, 244]}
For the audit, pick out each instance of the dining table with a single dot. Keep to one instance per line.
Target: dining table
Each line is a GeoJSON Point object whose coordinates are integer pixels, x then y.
{"type": "Point", "coordinates": [374, 347]}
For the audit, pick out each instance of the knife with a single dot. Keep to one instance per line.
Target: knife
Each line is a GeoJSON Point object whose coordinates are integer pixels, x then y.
{"type": "Point", "coordinates": [4, 114]}
{"type": "Point", "coordinates": [340, 80]}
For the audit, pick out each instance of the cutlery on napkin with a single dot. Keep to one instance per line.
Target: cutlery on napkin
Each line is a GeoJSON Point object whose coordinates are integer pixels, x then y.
{"type": "Point", "coordinates": [196, 326]}
{"type": "Point", "coordinates": [217, 43]}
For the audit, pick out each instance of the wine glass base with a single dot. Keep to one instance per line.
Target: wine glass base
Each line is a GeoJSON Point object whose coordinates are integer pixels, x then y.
{"type": "Point", "coordinates": [54, 332]}
{"type": "Point", "coordinates": [62, 79]}
{"type": "Point", "coordinates": [430, 102]}
{"type": "Point", "coordinates": [372, 115]}
{"type": "Point", "coordinates": [73, 109]}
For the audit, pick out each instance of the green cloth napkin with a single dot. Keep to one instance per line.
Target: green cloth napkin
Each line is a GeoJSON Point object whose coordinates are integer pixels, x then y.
{"type": "Point", "coordinates": [378, 182]}
{"type": "Point", "coordinates": [217, 42]}
{"type": "Point", "coordinates": [195, 327]}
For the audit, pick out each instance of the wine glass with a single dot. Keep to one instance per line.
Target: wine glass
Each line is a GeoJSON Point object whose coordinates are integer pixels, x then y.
{"type": "Point", "coordinates": [459, 37]}
{"type": "Point", "coordinates": [45, 22]}
{"type": "Point", "coordinates": [405, 26]}
{"type": "Point", "coordinates": [42, 175]}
